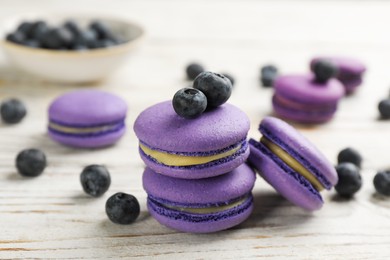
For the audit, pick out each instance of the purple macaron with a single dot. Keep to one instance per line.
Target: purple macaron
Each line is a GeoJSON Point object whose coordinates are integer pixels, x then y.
{"type": "Point", "coordinates": [300, 98]}
{"type": "Point", "coordinates": [87, 119]}
{"type": "Point", "coordinates": [210, 145]}
{"type": "Point", "coordinates": [200, 206]}
{"type": "Point", "coordinates": [291, 164]}
{"type": "Point", "coordinates": [350, 71]}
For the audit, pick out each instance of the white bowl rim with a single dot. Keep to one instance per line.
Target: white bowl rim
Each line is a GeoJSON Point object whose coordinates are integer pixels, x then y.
{"type": "Point", "coordinates": [73, 53]}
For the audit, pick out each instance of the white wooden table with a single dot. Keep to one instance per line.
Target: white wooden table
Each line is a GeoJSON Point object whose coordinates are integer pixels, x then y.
{"type": "Point", "coordinates": [50, 217]}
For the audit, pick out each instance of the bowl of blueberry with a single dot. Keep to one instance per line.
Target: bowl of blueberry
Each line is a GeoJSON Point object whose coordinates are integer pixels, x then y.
{"type": "Point", "coordinates": [69, 48]}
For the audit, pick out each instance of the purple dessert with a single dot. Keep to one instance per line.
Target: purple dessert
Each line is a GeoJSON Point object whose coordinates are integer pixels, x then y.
{"type": "Point", "coordinates": [212, 144]}
{"type": "Point", "coordinates": [302, 99]}
{"type": "Point", "coordinates": [87, 119]}
{"type": "Point", "coordinates": [350, 71]}
{"type": "Point", "coordinates": [200, 206]}
{"type": "Point", "coordinates": [291, 164]}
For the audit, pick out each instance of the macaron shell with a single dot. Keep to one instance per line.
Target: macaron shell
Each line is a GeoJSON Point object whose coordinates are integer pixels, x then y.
{"type": "Point", "coordinates": [88, 142]}
{"type": "Point", "coordinates": [302, 114]}
{"type": "Point", "coordinates": [283, 182]}
{"type": "Point", "coordinates": [161, 128]}
{"type": "Point", "coordinates": [87, 107]}
{"type": "Point", "coordinates": [274, 128]}
{"type": "Point", "coordinates": [303, 88]}
{"type": "Point", "coordinates": [202, 227]}
{"type": "Point", "coordinates": [222, 188]}
{"type": "Point", "coordinates": [214, 168]}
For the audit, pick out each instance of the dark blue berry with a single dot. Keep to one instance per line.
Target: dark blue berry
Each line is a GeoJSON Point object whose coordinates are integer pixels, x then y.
{"type": "Point", "coordinates": [85, 38]}
{"type": "Point", "coordinates": [95, 180]}
{"type": "Point", "coordinates": [350, 155]}
{"type": "Point", "coordinates": [16, 37]}
{"type": "Point", "coordinates": [382, 182]}
{"type": "Point", "coordinates": [122, 208]}
{"type": "Point", "coordinates": [25, 28]}
{"type": "Point", "coordinates": [105, 43]}
{"type": "Point", "coordinates": [350, 180]}
{"type": "Point", "coordinates": [384, 108]}
{"type": "Point", "coordinates": [38, 31]}
{"type": "Point", "coordinates": [189, 102]}
{"type": "Point", "coordinates": [230, 77]}
{"type": "Point", "coordinates": [103, 31]}
{"type": "Point", "coordinates": [31, 162]}
{"type": "Point", "coordinates": [267, 75]}
{"type": "Point", "coordinates": [12, 111]}
{"type": "Point", "coordinates": [73, 27]}
{"type": "Point", "coordinates": [193, 70]}
{"type": "Point", "coordinates": [57, 38]}
{"type": "Point", "coordinates": [324, 70]}
{"type": "Point", "coordinates": [216, 87]}
{"type": "Point", "coordinates": [32, 43]}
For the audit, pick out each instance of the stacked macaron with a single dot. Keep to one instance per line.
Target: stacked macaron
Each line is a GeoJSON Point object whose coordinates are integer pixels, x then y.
{"type": "Point", "coordinates": [195, 149]}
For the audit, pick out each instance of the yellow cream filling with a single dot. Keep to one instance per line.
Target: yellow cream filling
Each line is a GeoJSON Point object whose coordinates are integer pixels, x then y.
{"type": "Point", "coordinates": [181, 160]}
{"type": "Point", "coordinates": [74, 130]}
{"type": "Point", "coordinates": [208, 210]}
{"type": "Point", "coordinates": [294, 164]}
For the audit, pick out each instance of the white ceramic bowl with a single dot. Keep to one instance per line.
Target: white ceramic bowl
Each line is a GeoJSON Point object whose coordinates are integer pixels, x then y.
{"type": "Point", "coordinates": [72, 66]}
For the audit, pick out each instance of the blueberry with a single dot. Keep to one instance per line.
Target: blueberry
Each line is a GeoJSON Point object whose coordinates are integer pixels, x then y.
{"type": "Point", "coordinates": [230, 77]}
{"type": "Point", "coordinates": [384, 108]}
{"type": "Point", "coordinates": [382, 182]}
{"type": "Point", "coordinates": [95, 180]}
{"type": "Point", "coordinates": [267, 75]}
{"type": "Point", "coordinates": [193, 70]}
{"type": "Point", "coordinates": [216, 87]}
{"type": "Point", "coordinates": [85, 38]}
{"type": "Point", "coordinates": [57, 38]}
{"type": "Point", "coordinates": [189, 102]}
{"type": "Point", "coordinates": [102, 31]}
{"type": "Point", "coordinates": [25, 28]}
{"type": "Point", "coordinates": [12, 111]}
{"type": "Point", "coordinates": [324, 70]}
{"type": "Point", "coordinates": [38, 31]}
{"type": "Point", "coordinates": [32, 43]}
{"type": "Point", "coordinates": [105, 43]}
{"type": "Point", "coordinates": [16, 37]}
{"type": "Point", "coordinates": [350, 180]}
{"type": "Point", "coordinates": [31, 162]}
{"type": "Point", "coordinates": [122, 208]}
{"type": "Point", "coordinates": [73, 27]}
{"type": "Point", "coordinates": [350, 155]}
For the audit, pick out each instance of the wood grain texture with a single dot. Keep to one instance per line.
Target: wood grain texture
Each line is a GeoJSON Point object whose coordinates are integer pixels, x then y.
{"type": "Point", "coordinates": [50, 217]}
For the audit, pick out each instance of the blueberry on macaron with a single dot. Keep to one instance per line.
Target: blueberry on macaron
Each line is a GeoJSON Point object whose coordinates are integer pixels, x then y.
{"type": "Point", "coordinates": [189, 102]}
{"type": "Point", "coordinates": [324, 70]}
{"type": "Point", "coordinates": [216, 87]}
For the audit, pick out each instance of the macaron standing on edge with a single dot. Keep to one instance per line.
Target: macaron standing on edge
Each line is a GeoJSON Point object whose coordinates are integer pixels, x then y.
{"type": "Point", "coordinates": [87, 119]}
{"type": "Point", "coordinates": [302, 99]}
{"type": "Point", "coordinates": [203, 205]}
{"type": "Point", "coordinates": [291, 164]}
{"type": "Point", "coordinates": [210, 145]}
{"type": "Point", "coordinates": [350, 71]}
